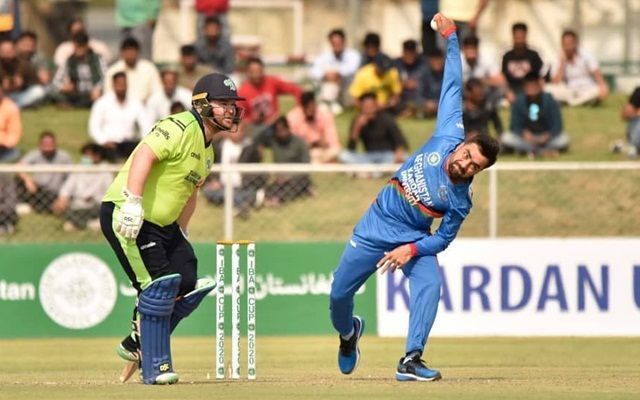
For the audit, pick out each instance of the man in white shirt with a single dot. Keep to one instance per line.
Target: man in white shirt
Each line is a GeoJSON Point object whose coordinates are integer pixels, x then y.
{"type": "Point", "coordinates": [142, 75]}
{"type": "Point", "coordinates": [476, 65]}
{"type": "Point", "coordinates": [118, 121]}
{"type": "Point", "coordinates": [334, 69]}
{"type": "Point", "coordinates": [159, 104]}
{"type": "Point", "coordinates": [66, 48]}
{"type": "Point", "coordinates": [576, 78]}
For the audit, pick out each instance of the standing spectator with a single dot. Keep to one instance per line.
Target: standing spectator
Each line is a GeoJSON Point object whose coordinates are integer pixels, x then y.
{"type": "Point", "coordinates": [429, 9]}
{"type": "Point", "coordinates": [261, 92]}
{"type": "Point", "coordinates": [27, 49]}
{"type": "Point", "coordinates": [81, 194]}
{"type": "Point", "coordinates": [66, 48]}
{"type": "Point", "coordinates": [476, 65]}
{"type": "Point", "coordinates": [10, 129]}
{"type": "Point", "coordinates": [190, 69]}
{"type": "Point", "coordinates": [410, 67]}
{"type": "Point", "coordinates": [371, 48]}
{"type": "Point", "coordinates": [334, 69]}
{"type": "Point", "coordinates": [41, 189]}
{"type": "Point", "coordinates": [213, 8]}
{"type": "Point", "coordinates": [142, 75]}
{"type": "Point", "coordinates": [19, 77]}
{"type": "Point", "coordinates": [137, 19]}
{"type": "Point", "coordinates": [382, 139]}
{"type": "Point", "coordinates": [519, 61]}
{"type": "Point", "coordinates": [159, 104]}
{"type": "Point", "coordinates": [479, 110]}
{"type": "Point", "coordinates": [630, 113]}
{"type": "Point", "coordinates": [118, 121]}
{"type": "Point", "coordinates": [430, 84]}
{"type": "Point", "coordinates": [577, 78]}
{"type": "Point", "coordinates": [288, 148]}
{"type": "Point", "coordinates": [317, 127]}
{"type": "Point", "coordinates": [465, 14]}
{"type": "Point", "coordinates": [214, 49]}
{"type": "Point", "coordinates": [79, 81]}
{"type": "Point", "coordinates": [380, 78]}
{"type": "Point", "coordinates": [536, 122]}
{"type": "Point", "coordinates": [9, 19]}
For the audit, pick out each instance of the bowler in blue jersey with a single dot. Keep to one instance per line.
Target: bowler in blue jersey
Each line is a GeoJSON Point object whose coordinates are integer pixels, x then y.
{"type": "Point", "coordinates": [395, 232]}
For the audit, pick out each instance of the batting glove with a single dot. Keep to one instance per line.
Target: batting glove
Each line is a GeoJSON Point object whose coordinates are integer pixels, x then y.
{"type": "Point", "coordinates": [131, 215]}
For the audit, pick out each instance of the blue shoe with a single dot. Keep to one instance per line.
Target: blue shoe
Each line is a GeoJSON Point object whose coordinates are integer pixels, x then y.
{"type": "Point", "coordinates": [412, 368]}
{"type": "Point", "coordinates": [349, 353]}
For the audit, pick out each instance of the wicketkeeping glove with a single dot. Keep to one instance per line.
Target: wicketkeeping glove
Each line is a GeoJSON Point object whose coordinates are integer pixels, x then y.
{"type": "Point", "coordinates": [131, 215]}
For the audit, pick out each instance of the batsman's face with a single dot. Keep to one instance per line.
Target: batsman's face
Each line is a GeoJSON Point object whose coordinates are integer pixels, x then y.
{"type": "Point", "coordinates": [465, 162]}
{"type": "Point", "coordinates": [224, 112]}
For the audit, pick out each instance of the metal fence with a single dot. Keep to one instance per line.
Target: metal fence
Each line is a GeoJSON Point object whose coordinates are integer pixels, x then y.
{"type": "Point", "coordinates": [282, 202]}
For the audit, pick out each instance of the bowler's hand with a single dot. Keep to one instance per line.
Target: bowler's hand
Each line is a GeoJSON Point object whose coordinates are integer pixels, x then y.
{"type": "Point", "coordinates": [395, 259]}
{"type": "Point", "coordinates": [445, 25]}
{"type": "Point", "coordinates": [131, 216]}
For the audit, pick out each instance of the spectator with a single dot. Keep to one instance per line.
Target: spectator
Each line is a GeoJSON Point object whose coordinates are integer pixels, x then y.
{"type": "Point", "coordinates": [519, 61]}
{"type": "Point", "coordinates": [475, 65]}
{"type": "Point", "coordinates": [371, 48]}
{"type": "Point", "coordinates": [81, 194]}
{"type": "Point", "coordinates": [142, 75]}
{"type": "Point", "coordinates": [10, 129]}
{"type": "Point", "coordinates": [429, 9]}
{"type": "Point", "coordinates": [41, 189]}
{"type": "Point", "coordinates": [382, 139]}
{"type": "Point", "coordinates": [177, 107]}
{"type": "Point", "coordinates": [261, 92]}
{"type": "Point", "coordinates": [10, 19]}
{"type": "Point", "coordinates": [317, 127]}
{"type": "Point", "coordinates": [137, 19]}
{"type": "Point", "coordinates": [410, 67]}
{"type": "Point", "coordinates": [8, 203]}
{"type": "Point", "coordinates": [213, 8]}
{"type": "Point", "coordinates": [430, 84]}
{"type": "Point", "coordinates": [334, 69]}
{"type": "Point", "coordinates": [19, 77]}
{"type": "Point", "coordinates": [159, 104]}
{"type": "Point", "coordinates": [66, 48]}
{"type": "Point", "coordinates": [465, 14]}
{"type": "Point", "coordinates": [479, 110]}
{"type": "Point", "coordinates": [214, 49]}
{"type": "Point", "coordinates": [190, 69]}
{"type": "Point", "coordinates": [27, 49]}
{"type": "Point", "coordinates": [288, 148]}
{"type": "Point", "coordinates": [79, 81]}
{"type": "Point", "coordinates": [380, 78]}
{"type": "Point", "coordinates": [577, 78]}
{"type": "Point", "coordinates": [117, 121]}
{"type": "Point", "coordinates": [630, 113]}
{"type": "Point", "coordinates": [536, 122]}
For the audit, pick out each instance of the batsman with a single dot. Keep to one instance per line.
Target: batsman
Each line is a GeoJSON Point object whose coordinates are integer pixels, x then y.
{"type": "Point", "coordinates": [145, 214]}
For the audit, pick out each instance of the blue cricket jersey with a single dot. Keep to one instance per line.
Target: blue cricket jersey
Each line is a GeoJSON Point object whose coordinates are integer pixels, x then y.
{"type": "Point", "coordinates": [421, 189]}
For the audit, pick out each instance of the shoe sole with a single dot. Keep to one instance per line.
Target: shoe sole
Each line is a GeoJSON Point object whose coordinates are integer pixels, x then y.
{"type": "Point", "coordinates": [361, 331]}
{"type": "Point", "coordinates": [411, 377]}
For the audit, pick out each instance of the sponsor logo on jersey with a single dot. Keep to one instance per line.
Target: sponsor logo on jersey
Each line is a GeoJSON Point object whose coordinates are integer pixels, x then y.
{"type": "Point", "coordinates": [193, 177]}
{"type": "Point", "coordinates": [433, 159]}
{"type": "Point", "coordinates": [443, 193]}
{"type": "Point", "coordinates": [195, 155]}
{"type": "Point", "coordinates": [159, 131]}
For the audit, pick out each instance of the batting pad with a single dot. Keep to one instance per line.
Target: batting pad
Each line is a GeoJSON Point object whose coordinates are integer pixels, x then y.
{"type": "Point", "coordinates": [185, 306]}
{"type": "Point", "coordinates": [155, 305]}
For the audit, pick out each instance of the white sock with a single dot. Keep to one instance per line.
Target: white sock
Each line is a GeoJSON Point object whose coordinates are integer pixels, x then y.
{"type": "Point", "coordinates": [348, 336]}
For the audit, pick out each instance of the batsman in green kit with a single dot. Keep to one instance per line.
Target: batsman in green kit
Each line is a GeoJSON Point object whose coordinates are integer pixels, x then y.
{"type": "Point", "coordinates": [145, 215]}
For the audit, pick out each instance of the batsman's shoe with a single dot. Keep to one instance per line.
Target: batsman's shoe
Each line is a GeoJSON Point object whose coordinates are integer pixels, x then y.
{"type": "Point", "coordinates": [168, 378]}
{"type": "Point", "coordinates": [349, 353]}
{"type": "Point", "coordinates": [412, 368]}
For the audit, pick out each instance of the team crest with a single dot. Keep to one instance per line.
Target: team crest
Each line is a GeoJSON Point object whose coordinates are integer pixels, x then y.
{"type": "Point", "coordinates": [433, 159]}
{"type": "Point", "coordinates": [229, 83]}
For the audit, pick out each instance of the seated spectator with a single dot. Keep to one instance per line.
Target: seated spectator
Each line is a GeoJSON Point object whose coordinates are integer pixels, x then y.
{"type": "Point", "coordinates": [159, 104]}
{"type": "Point", "coordinates": [261, 92]}
{"type": "Point", "coordinates": [8, 203]}
{"type": "Point", "coordinates": [10, 129]}
{"type": "Point", "coordinates": [190, 69]}
{"type": "Point", "coordinates": [536, 122]}
{"type": "Point", "coordinates": [476, 65]}
{"type": "Point", "coordinates": [19, 77]}
{"type": "Point", "coordinates": [217, 8]}
{"type": "Point", "coordinates": [371, 48]}
{"type": "Point", "coordinates": [334, 69]}
{"type": "Point", "coordinates": [118, 121]}
{"type": "Point", "coordinates": [27, 49]}
{"type": "Point", "coordinates": [79, 81]}
{"type": "Point", "coordinates": [142, 75]}
{"type": "Point", "coordinates": [66, 48]}
{"type": "Point", "coordinates": [630, 113]}
{"type": "Point", "coordinates": [81, 193]}
{"type": "Point", "coordinates": [410, 67]}
{"type": "Point", "coordinates": [41, 189]}
{"type": "Point", "coordinates": [519, 62]}
{"type": "Point", "coordinates": [214, 49]}
{"type": "Point", "coordinates": [288, 148]}
{"type": "Point", "coordinates": [430, 84]}
{"type": "Point", "coordinates": [382, 139]}
{"type": "Point", "coordinates": [576, 78]}
{"type": "Point", "coordinates": [317, 127]}
{"type": "Point", "coordinates": [478, 110]}
{"type": "Point", "coordinates": [380, 78]}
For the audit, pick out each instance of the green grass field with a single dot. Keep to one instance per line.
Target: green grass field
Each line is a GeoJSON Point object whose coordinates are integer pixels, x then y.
{"type": "Point", "coordinates": [305, 368]}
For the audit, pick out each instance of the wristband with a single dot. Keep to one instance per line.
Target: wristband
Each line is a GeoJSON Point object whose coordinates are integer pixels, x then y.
{"type": "Point", "coordinates": [449, 31]}
{"type": "Point", "coordinates": [414, 249]}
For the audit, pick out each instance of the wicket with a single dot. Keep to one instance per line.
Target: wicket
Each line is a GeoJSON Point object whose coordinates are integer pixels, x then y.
{"type": "Point", "coordinates": [250, 255]}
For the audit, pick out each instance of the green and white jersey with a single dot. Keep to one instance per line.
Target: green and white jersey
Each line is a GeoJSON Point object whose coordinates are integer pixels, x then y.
{"type": "Point", "coordinates": [183, 164]}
